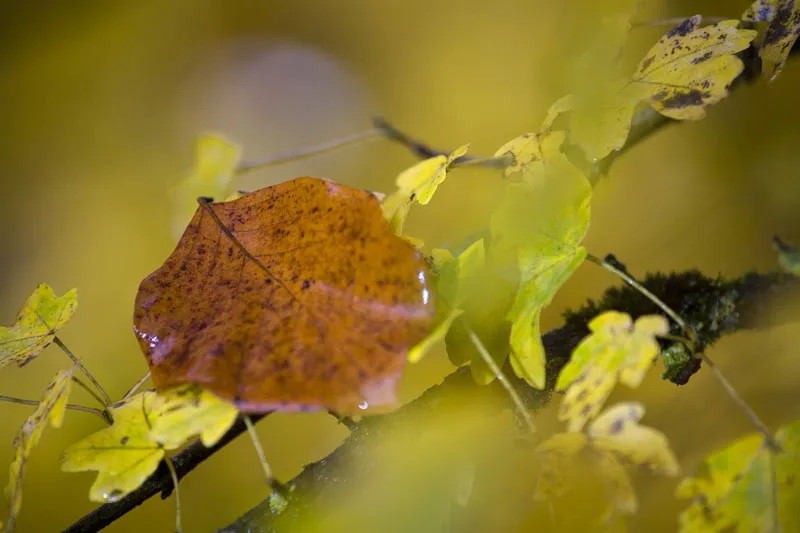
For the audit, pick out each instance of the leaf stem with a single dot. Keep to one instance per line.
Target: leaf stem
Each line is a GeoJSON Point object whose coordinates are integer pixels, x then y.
{"type": "Point", "coordinates": [88, 389]}
{"type": "Point", "coordinates": [136, 386]}
{"type": "Point", "coordinates": [311, 151]}
{"type": "Point", "coordinates": [498, 372]}
{"type": "Point", "coordinates": [627, 278]}
{"type": "Point", "coordinates": [70, 406]}
{"type": "Point", "coordinates": [174, 475]}
{"type": "Point", "coordinates": [106, 398]}
{"type": "Point", "coordinates": [251, 429]}
{"type": "Point", "coordinates": [748, 411]}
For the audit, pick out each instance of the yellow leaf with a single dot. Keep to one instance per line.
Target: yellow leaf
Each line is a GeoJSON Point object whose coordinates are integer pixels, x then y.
{"type": "Point", "coordinates": [555, 455]}
{"type": "Point", "coordinates": [557, 108]}
{"type": "Point", "coordinates": [187, 411]}
{"type": "Point", "coordinates": [619, 486]}
{"type": "Point", "coordinates": [542, 221]}
{"type": "Point", "coordinates": [616, 350]}
{"type": "Point", "coordinates": [783, 17]}
{"type": "Point", "coordinates": [145, 425]}
{"type": "Point", "coordinates": [212, 175]}
{"type": "Point", "coordinates": [41, 317]}
{"type": "Point", "coordinates": [417, 185]}
{"type": "Point", "coordinates": [532, 152]}
{"type": "Point", "coordinates": [690, 68]}
{"type": "Point", "coordinates": [617, 430]}
{"type": "Point", "coordinates": [50, 409]}
{"type": "Point", "coordinates": [615, 440]}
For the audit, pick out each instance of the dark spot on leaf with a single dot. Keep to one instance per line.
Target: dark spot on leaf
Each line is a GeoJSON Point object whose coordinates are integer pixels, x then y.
{"type": "Point", "coordinates": [686, 99]}
{"type": "Point", "coordinates": [700, 59]}
{"type": "Point", "coordinates": [617, 426]}
{"type": "Point", "coordinates": [124, 440]}
{"type": "Point", "coordinates": [683, 28]}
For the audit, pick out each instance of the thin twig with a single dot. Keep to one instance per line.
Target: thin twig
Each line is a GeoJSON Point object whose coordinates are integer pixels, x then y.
{"type": "Point", "coordinates": [748, 411]}
{"type": "Point", "coordinates": [424, 151]}
{"type": "Point", "coordinates": [88, 389]}
{"type": "Point", "coordinates": [103, 393]}
{"type": "Point", "coordinates": [136, 386]}
{"type": "Point", "coordinates": [627, 278]}
{"type": "Point", "coordinates": [498, 372]}
{"type": "Point", "coordinates": [70, 406]}
{"type": "Point", "coordinates": [311, 151]}
{"type": "Point", "coordinates": [175, 482]}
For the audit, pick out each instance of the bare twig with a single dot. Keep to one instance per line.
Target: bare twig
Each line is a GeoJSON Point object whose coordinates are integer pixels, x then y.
{"type": "Point", "coordinates": [136, 386]}
{"type": "Point", "coordinates": [748, 411]}
{"type": "Point", "coordinates": [106, 398]}
{"type": "Point", "coordinates": [70, 406]}
{"type": "Point", "coordinates": [311, 151]}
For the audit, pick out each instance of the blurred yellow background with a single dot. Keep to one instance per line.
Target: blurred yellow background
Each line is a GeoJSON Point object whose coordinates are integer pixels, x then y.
{"type": "Point", "coordinates": [103, 99]}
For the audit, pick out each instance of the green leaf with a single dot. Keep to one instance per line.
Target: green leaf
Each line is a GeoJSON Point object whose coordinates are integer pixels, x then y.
{"type": "Point", "coordinates": [41, 317]}
{"type": "Point", "coordinates": [788, 256]}
{"type": "Point", "coordinates": [454, 279]}
{"type": "Point", "coordinates": [541, 279]}
{"type": "Point", "coordinates": [733, 489]}
{"type": "Point", "coordinates": [541, 222]}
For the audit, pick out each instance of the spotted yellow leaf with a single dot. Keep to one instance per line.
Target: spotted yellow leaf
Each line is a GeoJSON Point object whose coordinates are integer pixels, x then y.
{"type": "Point", "coordinates": [746, 486]}
{"type": "Point", "coordinates": [689, 69]}
{"type": "Point", "coordinates": [188, 411]}
{"type": "Point", "coordinates": [212, 175]}
{"type": "Point", "coordinates": [50, 409]}
{"type": "Point", "coordinates": [417, 185]}
{"type": "Point", "coordinates": [611, 442]}
{"type": "Point", "coordinates": [616, 350]}
{"type": "Point", "coordinates": [42, 315]}
{"type": "Point", "coordinates": [542, 221]}
{"type": "Point", "coordinates": [783, 17]}
{"type": "Point", "coordinates": [617, 430]}
{"type": "Point", "coordinates": [145, 426]}
{"type": "Point", "coordinates": [454, 277]}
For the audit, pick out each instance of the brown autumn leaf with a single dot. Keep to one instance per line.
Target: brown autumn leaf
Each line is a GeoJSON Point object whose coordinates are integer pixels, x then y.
{"type": "Point", "coordinates": [294, 297]}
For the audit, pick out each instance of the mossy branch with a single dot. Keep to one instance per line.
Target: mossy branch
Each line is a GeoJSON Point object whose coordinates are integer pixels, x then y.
{"type": "Point", "coordinates": [713, 306]}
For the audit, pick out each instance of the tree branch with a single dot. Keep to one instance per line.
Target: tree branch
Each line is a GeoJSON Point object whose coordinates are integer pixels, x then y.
{"type": "Point", "coordinates": [713, 306]}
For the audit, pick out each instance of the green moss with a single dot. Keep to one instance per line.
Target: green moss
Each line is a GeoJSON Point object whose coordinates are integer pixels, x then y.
{"type": "Point", "coordinates": [707, 304]}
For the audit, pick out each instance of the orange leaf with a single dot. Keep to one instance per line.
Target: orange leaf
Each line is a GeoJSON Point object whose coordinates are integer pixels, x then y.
{"type": "Point", "coordinates": [294, 297]}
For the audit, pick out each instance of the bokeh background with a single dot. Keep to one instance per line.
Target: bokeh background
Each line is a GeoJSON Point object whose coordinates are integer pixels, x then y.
{"type": "Point", "coordinates": [101, 102]}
